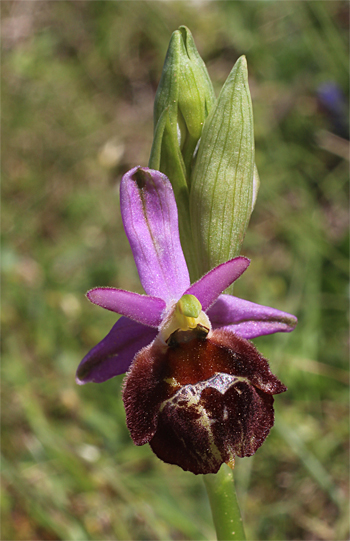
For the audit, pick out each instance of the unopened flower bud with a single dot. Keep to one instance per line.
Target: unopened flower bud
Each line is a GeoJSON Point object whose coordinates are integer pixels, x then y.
{"type": "Point", "coordinates": [186, 93]}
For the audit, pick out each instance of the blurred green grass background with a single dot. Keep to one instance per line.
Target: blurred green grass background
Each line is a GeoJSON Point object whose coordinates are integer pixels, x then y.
{"type": "Point", "coordinates": [79, 79]}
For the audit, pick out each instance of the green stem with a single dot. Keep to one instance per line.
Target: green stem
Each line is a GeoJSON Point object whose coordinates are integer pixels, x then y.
{"type": "Point", "coordinates": [224, 505]}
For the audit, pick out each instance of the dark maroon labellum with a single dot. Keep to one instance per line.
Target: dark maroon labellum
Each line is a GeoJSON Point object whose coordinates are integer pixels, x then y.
{"type": "Point", "coordinates": [201, 402]}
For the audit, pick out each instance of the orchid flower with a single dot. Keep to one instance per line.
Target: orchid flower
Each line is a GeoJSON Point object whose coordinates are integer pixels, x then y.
{"type": "Point", "coordinates": [196, 389]}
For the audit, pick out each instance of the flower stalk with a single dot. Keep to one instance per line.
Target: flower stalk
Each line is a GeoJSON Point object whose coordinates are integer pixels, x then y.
{"type": "Point", "coordinates": [224, 505]}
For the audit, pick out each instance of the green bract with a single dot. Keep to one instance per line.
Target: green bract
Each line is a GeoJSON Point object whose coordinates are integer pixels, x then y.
{"type": "Point", "coordinates": [221, 197]}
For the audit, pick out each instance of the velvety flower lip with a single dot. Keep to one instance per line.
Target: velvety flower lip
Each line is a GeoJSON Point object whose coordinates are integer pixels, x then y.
{"type": "Point", "coordinates": [150, 220]}
{"type": "Point", "coordinates": [202, 402]}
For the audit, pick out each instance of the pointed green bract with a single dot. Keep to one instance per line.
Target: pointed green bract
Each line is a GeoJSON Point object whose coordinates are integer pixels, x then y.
{"type": "Point", "coordinates": [221, 197]}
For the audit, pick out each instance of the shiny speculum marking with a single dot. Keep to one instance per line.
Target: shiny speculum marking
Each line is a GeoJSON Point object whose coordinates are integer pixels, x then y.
{"type": "Point", "coordinates": [188, 398]}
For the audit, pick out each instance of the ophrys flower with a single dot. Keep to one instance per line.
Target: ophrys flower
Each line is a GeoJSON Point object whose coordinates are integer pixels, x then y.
{"type": "Point", "coordinates": [196, 389]}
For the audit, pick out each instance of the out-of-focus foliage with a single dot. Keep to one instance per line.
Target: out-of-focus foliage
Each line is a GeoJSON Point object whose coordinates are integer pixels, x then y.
{"type": "Point", "coordinates": [79, 80]}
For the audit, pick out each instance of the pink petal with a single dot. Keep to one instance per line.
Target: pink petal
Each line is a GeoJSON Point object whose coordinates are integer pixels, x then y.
{"type": "Point", "coordinates": [247, 319]}
{"type": "Point", "coordinates": [114, 354]}
{"type": "Point", "coordinates": [141, 308]}
{"type": "Point", "coordinates": [209, 287]}
{"type": "Point", "coordinates": [150, 220]}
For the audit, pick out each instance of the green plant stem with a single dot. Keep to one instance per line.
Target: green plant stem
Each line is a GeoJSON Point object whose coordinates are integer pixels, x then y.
{"type": "Point", "coordinates": [224, 505]}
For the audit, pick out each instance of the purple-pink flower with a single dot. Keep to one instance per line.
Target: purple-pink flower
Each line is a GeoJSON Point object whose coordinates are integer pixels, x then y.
{"type": "Point", "coordinates": [196, 389]}
{"type": "Point", "coordinates": [150, 220]}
